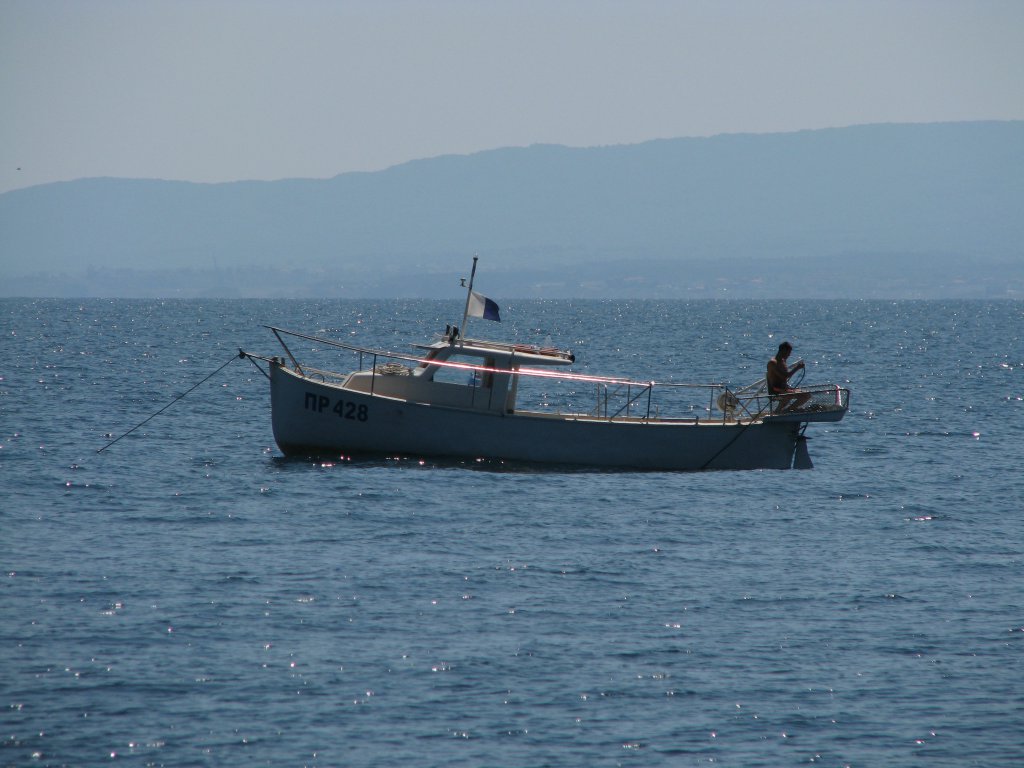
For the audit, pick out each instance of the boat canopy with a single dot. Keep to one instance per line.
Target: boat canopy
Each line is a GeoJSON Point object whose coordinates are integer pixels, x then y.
{"type": "Point", "coordinates": [509, 356]}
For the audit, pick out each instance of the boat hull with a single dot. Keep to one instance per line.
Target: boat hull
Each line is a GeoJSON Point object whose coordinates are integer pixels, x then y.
{"type": "Point", "coordinates": [310, 417]}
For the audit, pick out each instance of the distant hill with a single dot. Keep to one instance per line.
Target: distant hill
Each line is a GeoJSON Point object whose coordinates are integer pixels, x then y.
{"type": "Point", "coordinates": [910, 209]}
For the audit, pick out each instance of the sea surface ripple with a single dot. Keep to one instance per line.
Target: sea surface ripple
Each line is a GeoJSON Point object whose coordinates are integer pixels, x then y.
{"type": "Point", "coordinates": [190, 597]}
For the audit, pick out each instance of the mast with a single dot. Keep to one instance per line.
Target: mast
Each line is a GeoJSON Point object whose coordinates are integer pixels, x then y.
{"type": "Point", "coordinates": [469, 294]}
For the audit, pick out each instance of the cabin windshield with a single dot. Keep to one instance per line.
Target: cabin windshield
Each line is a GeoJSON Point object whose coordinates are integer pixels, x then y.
{"type": "Point", "coordinates": [473, 378]}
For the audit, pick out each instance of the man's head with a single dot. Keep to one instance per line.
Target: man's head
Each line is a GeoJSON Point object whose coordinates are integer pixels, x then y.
{"type": "Point", "coordinates": [785, 348]}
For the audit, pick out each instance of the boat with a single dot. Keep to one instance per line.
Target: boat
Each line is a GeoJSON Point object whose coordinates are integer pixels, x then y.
{"type": "Point", "coordinates": [461, 398]}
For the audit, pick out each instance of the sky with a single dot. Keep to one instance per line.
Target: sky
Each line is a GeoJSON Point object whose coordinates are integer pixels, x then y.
{"type": "Point", "coordinates": [222, 90]}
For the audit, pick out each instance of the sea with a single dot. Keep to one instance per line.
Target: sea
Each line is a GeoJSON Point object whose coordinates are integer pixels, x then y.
{"type": "Point", "coordinates": [181, 594]}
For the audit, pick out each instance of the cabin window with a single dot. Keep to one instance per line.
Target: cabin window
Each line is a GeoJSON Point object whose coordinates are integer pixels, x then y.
{"type": "Point", "coordinates": [472, 378]}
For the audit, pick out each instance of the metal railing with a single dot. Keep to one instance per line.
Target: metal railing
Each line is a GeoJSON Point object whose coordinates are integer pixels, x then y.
{"type": "Point", "coordinates": [559, 392]}
{"type": "Point", "coordinates": [754, 400]}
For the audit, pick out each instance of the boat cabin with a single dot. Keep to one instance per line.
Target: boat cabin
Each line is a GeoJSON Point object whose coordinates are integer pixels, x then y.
{"type": "Point", "coordinates": [459, 373]}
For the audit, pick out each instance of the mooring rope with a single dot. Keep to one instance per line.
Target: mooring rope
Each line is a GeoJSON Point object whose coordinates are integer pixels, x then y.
{"type": "Point", "coordinates": [233, 358]}
{"type": "Point", "coordinates": [728, 445]}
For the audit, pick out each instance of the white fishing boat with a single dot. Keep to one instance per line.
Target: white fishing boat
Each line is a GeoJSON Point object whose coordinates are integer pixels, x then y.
{"type": "Point", "coordinates": [461, 398]}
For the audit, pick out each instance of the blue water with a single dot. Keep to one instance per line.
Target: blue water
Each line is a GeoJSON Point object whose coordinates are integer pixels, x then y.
{"type": "Point", "coordinates": [189, 597]}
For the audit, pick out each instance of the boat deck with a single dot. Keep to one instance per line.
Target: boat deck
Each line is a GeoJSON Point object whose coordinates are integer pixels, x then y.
{"type": "Point", "coordinates": [556, 394]}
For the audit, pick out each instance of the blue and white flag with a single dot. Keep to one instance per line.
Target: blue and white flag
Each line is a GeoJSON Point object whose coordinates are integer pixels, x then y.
{"type": "Point", "coordinates": [481, 306]}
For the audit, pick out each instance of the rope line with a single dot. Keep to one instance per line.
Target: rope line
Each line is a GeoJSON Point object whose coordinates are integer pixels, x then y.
{"type": "Point", "coordinates": [179, 397]}
{"type": "Point", "coordinates": [728, 445]}
{"type": "Point", "coordinates": [251, 359]}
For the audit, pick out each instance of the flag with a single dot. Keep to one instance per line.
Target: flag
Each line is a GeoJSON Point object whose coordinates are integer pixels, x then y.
{"type": "Point", "coordinates": [481, 306]}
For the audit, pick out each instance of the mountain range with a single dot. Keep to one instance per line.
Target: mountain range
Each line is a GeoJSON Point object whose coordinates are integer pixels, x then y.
{"type": "Point", "coordinates": [893, 210]}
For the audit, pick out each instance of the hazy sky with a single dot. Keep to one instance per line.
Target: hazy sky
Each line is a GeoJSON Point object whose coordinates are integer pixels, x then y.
{"type": "Point", "coordinates": [217, 90]}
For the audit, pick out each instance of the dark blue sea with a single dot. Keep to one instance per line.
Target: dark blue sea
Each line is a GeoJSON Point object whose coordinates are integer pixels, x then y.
{"type": "Point", "coordinates": [189, 597]}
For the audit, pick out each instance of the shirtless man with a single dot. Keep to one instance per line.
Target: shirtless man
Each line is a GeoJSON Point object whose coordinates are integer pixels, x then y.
{"type": "Point", "coordinates": [786, 398]}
